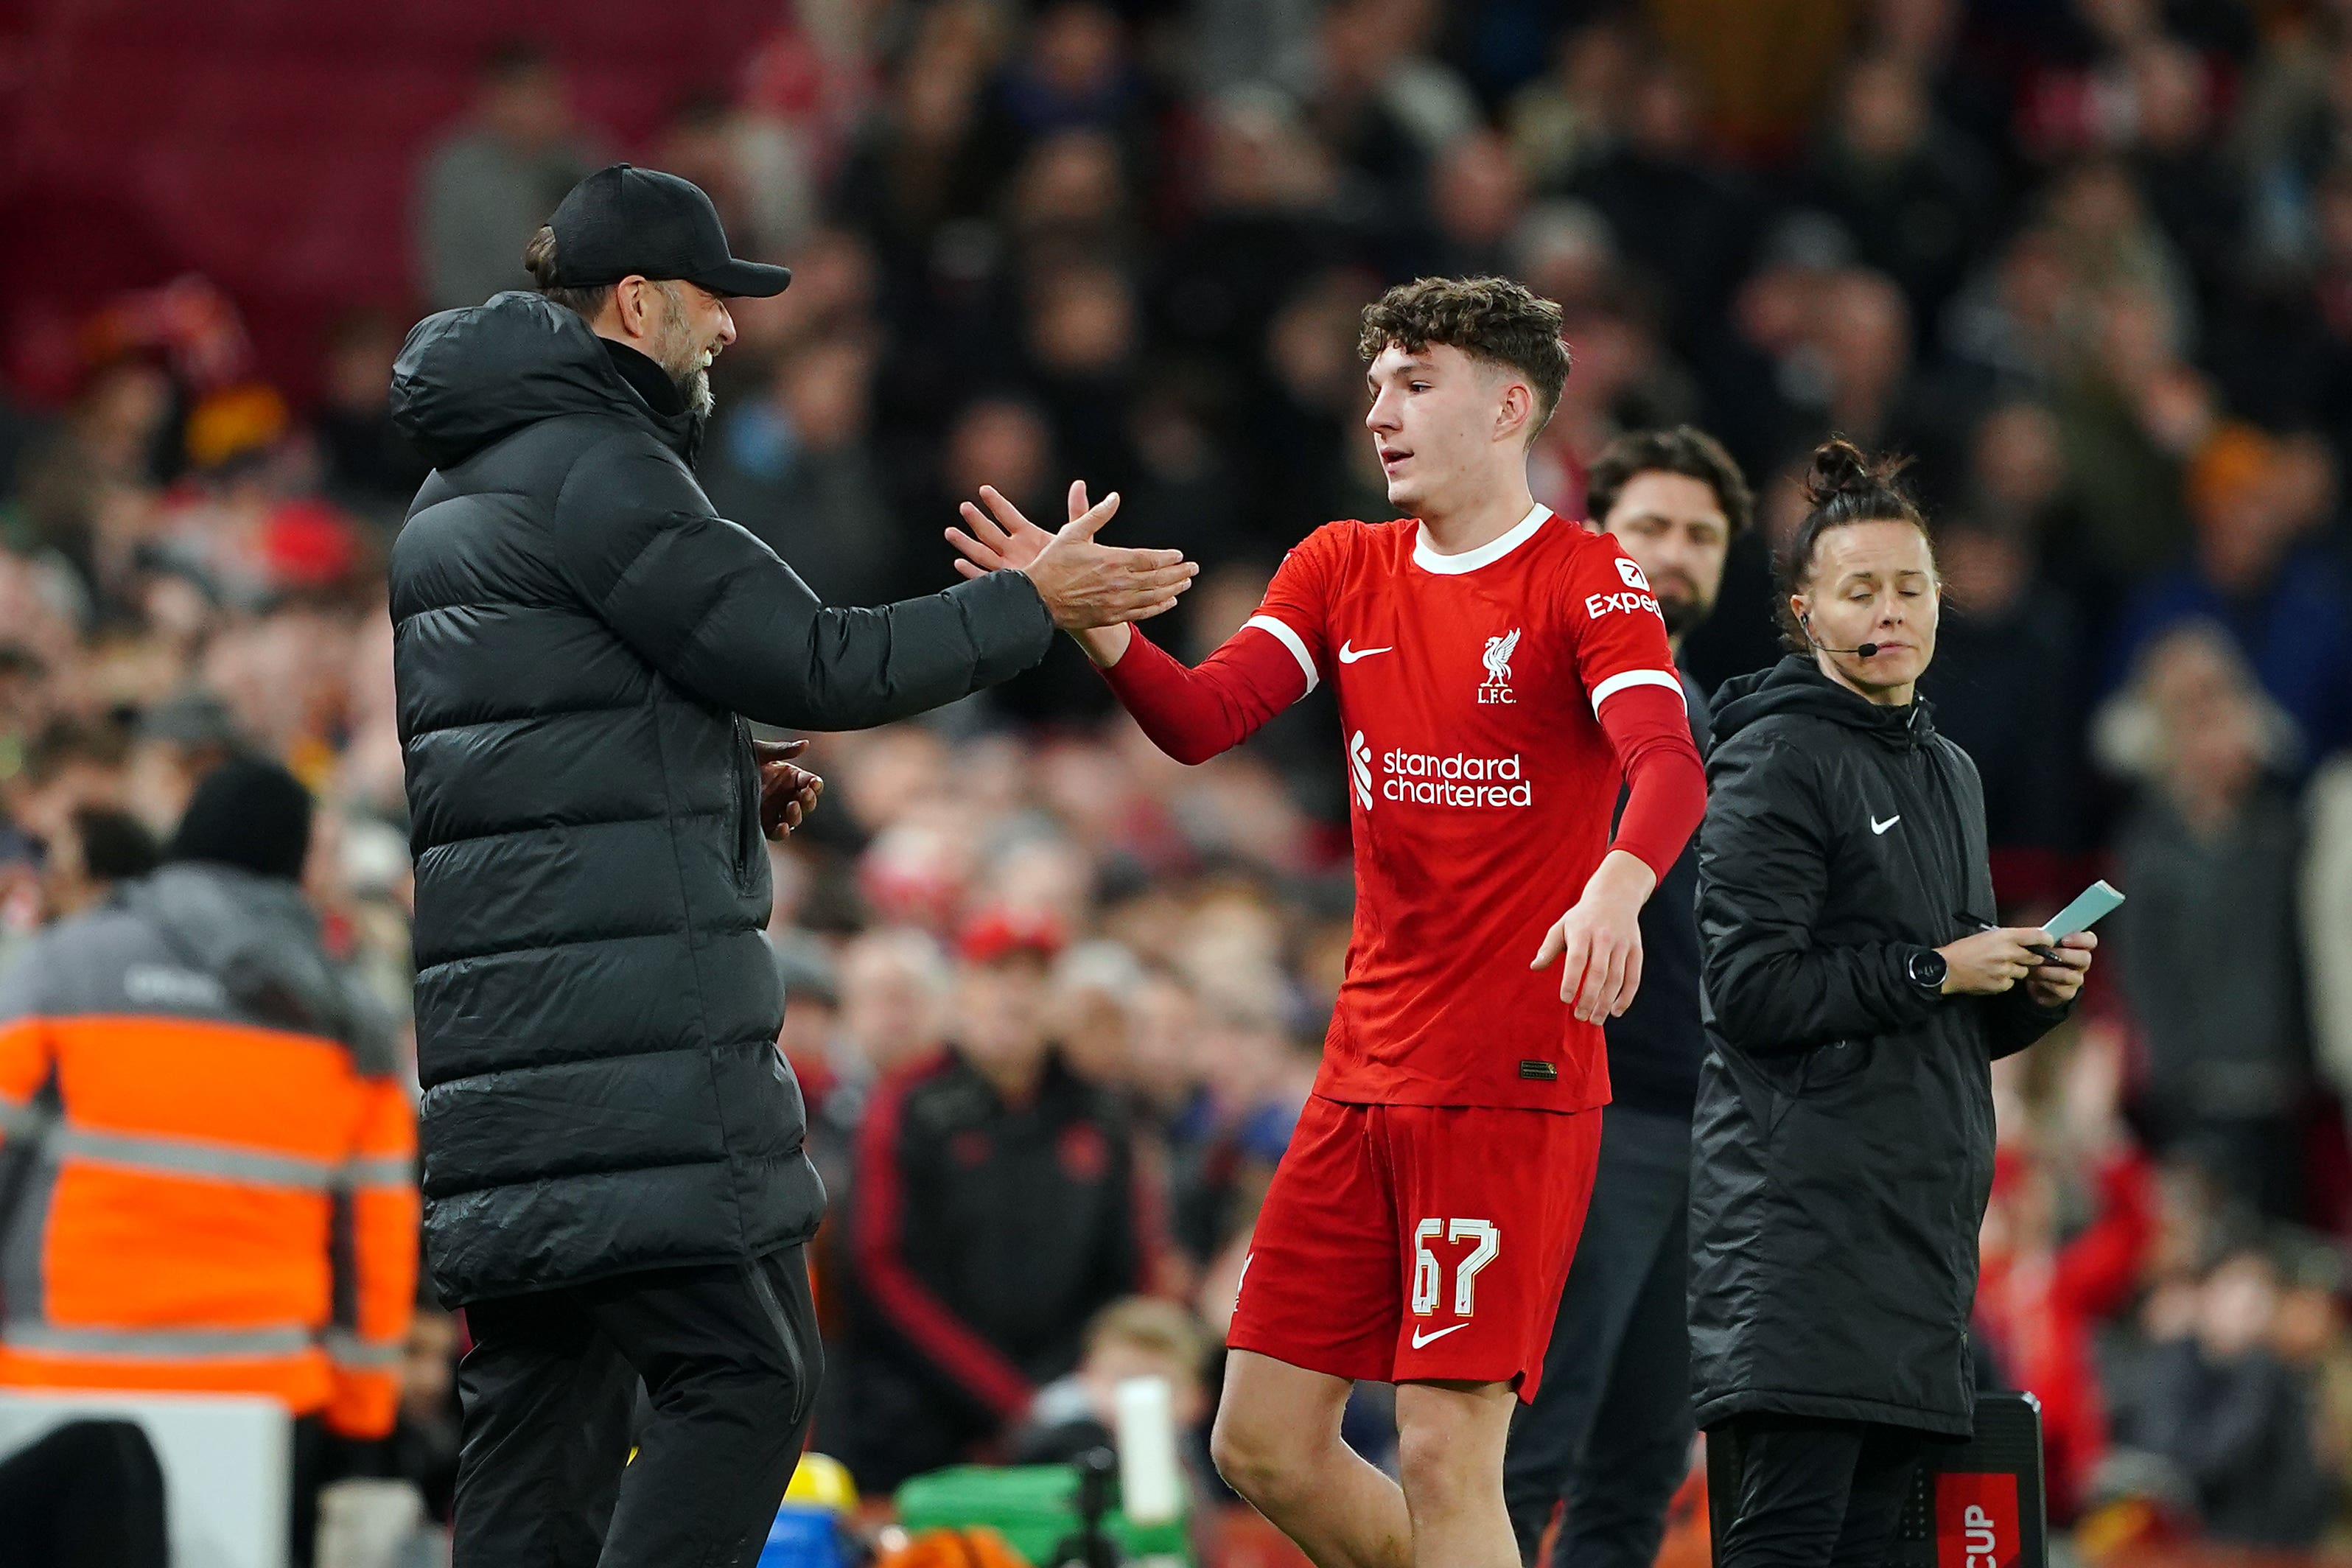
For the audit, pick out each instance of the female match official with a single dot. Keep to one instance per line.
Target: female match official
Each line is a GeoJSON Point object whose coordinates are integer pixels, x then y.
{"type": "Point", "coordinates": [1854, 997]}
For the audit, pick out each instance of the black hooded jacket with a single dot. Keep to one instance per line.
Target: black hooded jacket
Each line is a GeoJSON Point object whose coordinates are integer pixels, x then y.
{"type": "Point", "coordinates": [1841, 1151]}
{"type": "Point", "coordinates": [578, 641]}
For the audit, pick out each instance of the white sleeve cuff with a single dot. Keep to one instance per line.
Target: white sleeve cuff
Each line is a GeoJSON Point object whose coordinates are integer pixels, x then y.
{"type": "Point", "coordinates": [1617, 683]}
{"type": "Point", "coordinates": [1291, 641]}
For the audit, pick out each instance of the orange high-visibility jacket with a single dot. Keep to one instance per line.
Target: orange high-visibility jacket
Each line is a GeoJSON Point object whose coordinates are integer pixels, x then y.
{"type": "Point", "coordinates": [207, 1165]}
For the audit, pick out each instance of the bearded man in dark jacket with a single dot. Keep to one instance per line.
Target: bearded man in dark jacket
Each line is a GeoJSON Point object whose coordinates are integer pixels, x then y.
{"type": "Point", "coordinates": [614, 1186]}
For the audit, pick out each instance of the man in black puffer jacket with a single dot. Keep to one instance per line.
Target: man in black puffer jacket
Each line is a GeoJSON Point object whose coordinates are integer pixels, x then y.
{"type": "Point", "coordinates": [614, 1186]}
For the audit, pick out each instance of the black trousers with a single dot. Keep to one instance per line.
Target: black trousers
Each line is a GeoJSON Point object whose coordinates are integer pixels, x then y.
{"type": "Point", "coordinates": [1611, 1429]}
{"type": "Point", "coordinates": [730, 1359]}
{"type": "Point", "coordinates": [1816, 1494]}
{"type": "Point", "coordinates": [89, 1495]}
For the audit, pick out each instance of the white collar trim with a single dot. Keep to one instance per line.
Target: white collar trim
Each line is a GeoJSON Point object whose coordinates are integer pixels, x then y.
{"type": "Point", "coordinates": [1486, 554]}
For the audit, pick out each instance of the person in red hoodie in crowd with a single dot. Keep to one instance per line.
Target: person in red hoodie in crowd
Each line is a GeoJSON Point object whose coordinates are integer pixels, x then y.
{"type": "Point", "coordinates": [2040, 1299]}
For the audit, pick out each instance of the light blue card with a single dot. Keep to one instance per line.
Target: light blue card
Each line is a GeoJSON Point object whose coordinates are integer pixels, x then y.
{"type": "Point", "coordinates": [2091, 906]}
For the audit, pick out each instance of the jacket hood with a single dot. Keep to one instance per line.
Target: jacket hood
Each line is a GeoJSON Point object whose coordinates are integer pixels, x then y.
{"type": "Point", "coordinates": [1796, 685]}
{"type": "Point", "coordinates": [468, 377]}
{"type": "Point", "coordinates": [259, 936]}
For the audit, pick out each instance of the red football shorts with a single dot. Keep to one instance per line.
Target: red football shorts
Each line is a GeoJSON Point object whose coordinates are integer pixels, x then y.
{"type": "Point", "coordinates": [1403, 1242]}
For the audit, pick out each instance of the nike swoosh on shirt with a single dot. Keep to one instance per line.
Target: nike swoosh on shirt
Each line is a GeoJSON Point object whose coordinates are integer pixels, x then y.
{"type": "Point", "coordinates": [1350, 654]}
{"type": "Point", "coordinates": [1419, 1341]}
{"type": "Point", "coordinates": [1878, 826]}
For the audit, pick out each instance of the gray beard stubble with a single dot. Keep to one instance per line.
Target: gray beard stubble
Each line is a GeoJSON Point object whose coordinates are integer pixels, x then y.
{"type": "Point", "coordinates": [675, 353]}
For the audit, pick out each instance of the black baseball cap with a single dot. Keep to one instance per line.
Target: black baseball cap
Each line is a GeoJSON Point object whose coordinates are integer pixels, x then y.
{"type": "Point", "coordinates": [624, 219]}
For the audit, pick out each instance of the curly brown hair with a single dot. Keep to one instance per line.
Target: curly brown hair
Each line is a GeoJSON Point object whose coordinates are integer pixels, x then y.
{"type": "Point", "coordinates": [1492, 318]}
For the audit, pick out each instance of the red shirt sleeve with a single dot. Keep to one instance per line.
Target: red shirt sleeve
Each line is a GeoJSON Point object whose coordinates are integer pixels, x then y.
{"type": "Point", "coordinates": [1628, 670]}
{"type": "Point", "coordinates": [1665, 783]}
{"type": "Point", "coordinates": [1273, 661]}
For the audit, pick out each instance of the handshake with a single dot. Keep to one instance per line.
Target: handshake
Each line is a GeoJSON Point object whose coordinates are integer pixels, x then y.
{"type": "Point", "coordinates": [1086, 586]}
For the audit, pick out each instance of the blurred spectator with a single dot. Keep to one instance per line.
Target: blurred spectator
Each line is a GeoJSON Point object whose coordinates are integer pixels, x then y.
{"type": "Point", "coordinates": [2017, 483]}
{"type": "Point", "coordinates": [1310, 413]}
{"type": "Point", "coordinates": [2193, 189]}
{"type": "Point", "coordinates": [487, 185]}
{"type": "Point", "coordinates": [177, 744]}
{"type": "Point", "coordinates": [756, 170]}
{"type": "Point", "coordinates": [2131, 418]}
{"type": "Point", "coordinates": [2308, 1333]}
{"type": "Point", "coordinates": [112, 439]}
{"type": "Point", "coordinates": [69, 764]}
{"type": "Point", "coordinates": [2283, 601]}
{"type": "Point", "coordinates": [1135, 1337]}
{"type": "Point", "coordinates": [2207, 945]}
{"type": "Point", "coordinates": [1566, 120]}
{"type": "Point", "coordinates": [1073, 73]}
{"type": "Point", "coordinates": [2003, 633]}
{"type": "Point", "coordinates": [1249, 1086]}
{"type": "Point", "coordinates": [100, 849]}
{"type": "Point", "coordinates": [1082, 341]}
{"type": "Point", "coordinates": [918, 160]}
{"type": "Point", "coordinates": [2010, 325]}
{"type": "Point", "coordinates": [1858, 350]}
{"type": "Point", "coordinates": [1070, 202]}
{"type": "Point", "coordinates": [2219, 1403]}
{"type": "Point", "coordinates": [369, 466]}
{"type": "Point", "coordinates": [1267, 220]}
{"type": "Point", "coordinates": [894, 996]}
{"type": "Point", "coordinates": [2044, 1288]}
{"type": "Point", "coordinates": [1476, 193]}
{"type": "Point", "coordinates": [798, 469]}
{"type": "Point", "coordinates": [1915, 196]}
{"type": "Point", "coordinates": [1266, 42]}
{"type": "Point", "coordinates": [1000, 1206]}
{"type": "Point", "coordinates": [230, 1155]}
{"type": "Point", "coordinates": [1385, 107]}
{"type": "Point", "coordinates": [1677, 216]}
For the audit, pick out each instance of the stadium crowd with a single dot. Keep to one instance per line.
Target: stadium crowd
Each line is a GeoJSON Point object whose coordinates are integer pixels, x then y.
{"type": "Point", "coordinates": [1054, 1000]}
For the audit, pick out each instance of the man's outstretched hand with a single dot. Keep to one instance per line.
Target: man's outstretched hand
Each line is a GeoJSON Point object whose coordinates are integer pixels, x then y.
{"type": "Point", "coordinates": [1083, 583]}
{"type": "Point", "coordinates": [787, 793]}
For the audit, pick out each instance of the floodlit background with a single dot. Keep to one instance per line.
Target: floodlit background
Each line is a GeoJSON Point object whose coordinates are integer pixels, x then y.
{"type": "Point", "coordinates": [2090, 261]}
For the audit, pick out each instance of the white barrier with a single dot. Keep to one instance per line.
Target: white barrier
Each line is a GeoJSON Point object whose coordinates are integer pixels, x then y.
{"type": "Point", "coordinates": [227, 1463]}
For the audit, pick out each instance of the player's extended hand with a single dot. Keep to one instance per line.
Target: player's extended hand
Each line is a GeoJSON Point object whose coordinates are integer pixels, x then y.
{"type": "Point", "coordinates": [2053, 982]}
{"type": "Point", "coordinates": [1598, 942]}
{"type": "Point", "coordinates": [1008, 539]}
{"type": "Point", "coordinates": [1096, 610]}
{"type": "Point", "coordinates": [787, 793]}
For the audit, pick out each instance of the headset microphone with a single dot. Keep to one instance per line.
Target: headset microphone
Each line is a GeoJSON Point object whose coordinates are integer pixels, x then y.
{"type": "Point", "coordinates": [1867, 650]}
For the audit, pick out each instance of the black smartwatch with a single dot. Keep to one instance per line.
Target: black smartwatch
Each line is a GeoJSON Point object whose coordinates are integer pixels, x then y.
{"type": "Point", "coordinates": [1928, 971]}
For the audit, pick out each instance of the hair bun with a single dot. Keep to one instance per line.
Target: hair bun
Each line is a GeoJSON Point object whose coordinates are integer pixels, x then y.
{"type": "Point", "coordinates": [1839, 469]}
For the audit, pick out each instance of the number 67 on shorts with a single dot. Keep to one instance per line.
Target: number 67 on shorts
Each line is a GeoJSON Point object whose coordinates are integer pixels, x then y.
{"type": "Point", "coordinates": [1407, 1242]}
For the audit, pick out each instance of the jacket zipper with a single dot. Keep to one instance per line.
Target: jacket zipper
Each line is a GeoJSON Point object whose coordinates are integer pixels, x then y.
{"type": "Point", "coordinates": [747, 803]}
